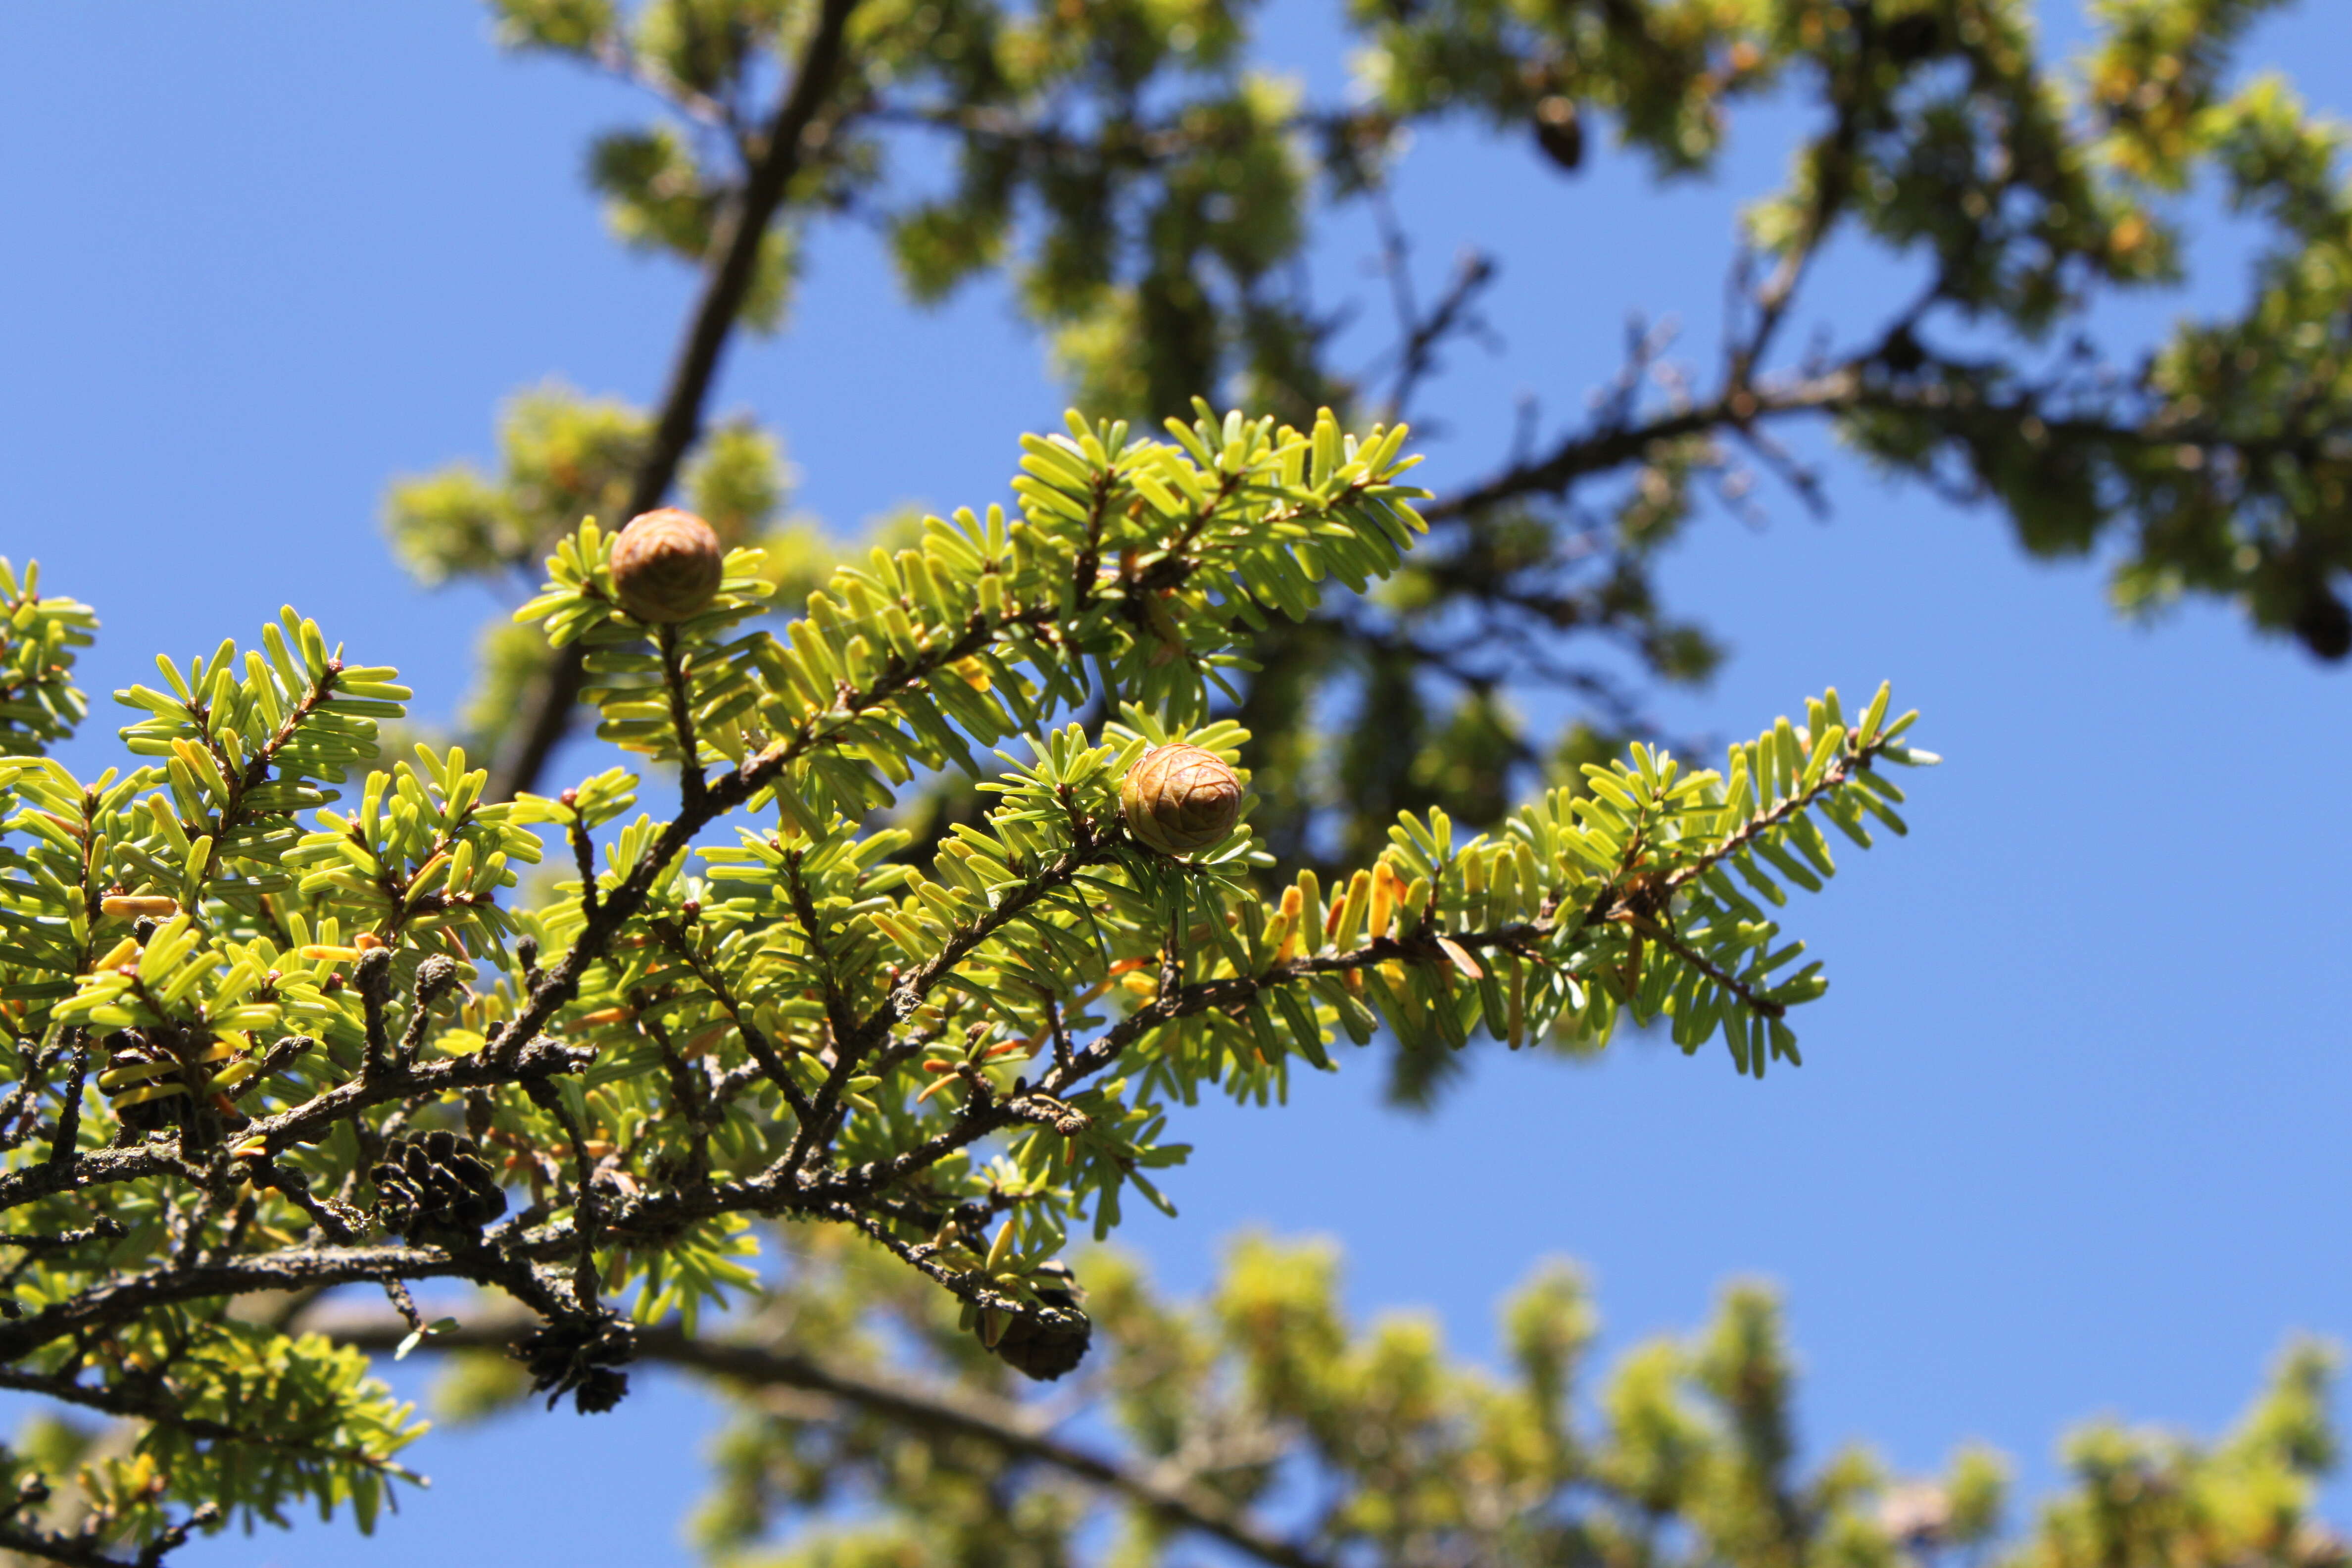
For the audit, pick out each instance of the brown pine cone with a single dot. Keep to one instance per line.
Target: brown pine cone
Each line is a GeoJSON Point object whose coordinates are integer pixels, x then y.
{"type": "Point", "coordinates": [667, 565]}
{"type": "Point", "coordinates": [577, 1356]}
{"type": "Point", "coordinates": [437, 1184]}
{"type": "Point", "coordinates": [1559, 131]}
{"type": "Point", "coordinates": [1178, 799]}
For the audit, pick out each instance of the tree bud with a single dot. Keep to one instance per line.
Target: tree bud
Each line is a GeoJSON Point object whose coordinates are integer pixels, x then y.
{"type": "Point", "coordinates": [1180, 798]}
{"type": "Point", "coordinates": [140, 906]}
{"type": "Point", "coordinates": [666, 565]}
{"type": "Point", "coordinates": [434, 976]}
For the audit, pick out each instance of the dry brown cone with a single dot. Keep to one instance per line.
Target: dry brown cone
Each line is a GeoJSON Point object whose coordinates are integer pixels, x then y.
{"type": "Point", "coordinates": [1559, 131]}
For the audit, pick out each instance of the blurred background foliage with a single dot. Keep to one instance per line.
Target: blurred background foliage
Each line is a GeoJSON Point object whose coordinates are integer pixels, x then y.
{"type": "Point", "coordinates": [908, 1447]}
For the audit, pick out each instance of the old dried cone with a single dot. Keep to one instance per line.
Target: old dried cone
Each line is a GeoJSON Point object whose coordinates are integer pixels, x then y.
{"type": "Point", "coordinates": [580, 1356]}
{"type": "Point", "coordinates": [436, 1186]}
{"type": "Point", "coordinates": [1180, 798]}
{"type": "Point", "coordinates": [1559, 131]}
{"type": "Point", "coordinates": [667, 565]}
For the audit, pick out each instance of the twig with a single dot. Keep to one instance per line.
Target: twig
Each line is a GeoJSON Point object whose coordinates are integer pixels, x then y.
{"type": "Point", "coordinates": [63, 1146]}
{"type": "Point", "coordinates": [587, 1210]}
{"type": "Point", "coordinates": [755, 1040]}
{"type": "Point", "coordinates": [105, 1228]}
{"type": "Point", "coordinates": [80, 1551]}
{"type": "Point", "coordinates": [18, 1117]}
{"type": "Point", "coordinates": [690, 780]}
{"type": "Point", "coordinates": [127, 1297]}
{"type": "Point", "coordinates": [944, 1412]}
{"type": "Point", "coordinates": [159, 1406]}
{"type": "Point", "coordinates": [329, 1217]}
{"type": "Point", "coordinates": [1419, 336]}
{"type": "Point", "coordinates": [301, 1124]}
{"type": "Point", "coordinates": [1058, 1035]}
{"type": "Point", "coordinates": [1665, 937]}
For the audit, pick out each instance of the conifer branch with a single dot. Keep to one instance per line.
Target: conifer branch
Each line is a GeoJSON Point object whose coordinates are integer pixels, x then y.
{"type": "Point", "coordinates": [1164, 1490]}
{"type": "Point", "coordinates": [298, 1124]}
{"type": "Point", "coordinates": [155, 1401]}
{"type": "Point", "coordinates": [81, 1552]}
{"type": "Point", "coordinates": [1105, 854]}
{"type": "Point", "coordinates": [734, 256]}
{"type": "Point", "coordinates": [755, 1040]}
{"type": "Point", "coordinates": [1612, 444]}
{"type": "Point", "coordinates": [121, 1299]}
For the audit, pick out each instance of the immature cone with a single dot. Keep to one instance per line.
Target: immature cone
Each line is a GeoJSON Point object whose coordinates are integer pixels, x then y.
{"type": "Point", "coordinates": [1180, 798]}
{"type": "Point", "coordinates": [666, 565]}
{"type": "Point", "coordinates": [1043, 1350]}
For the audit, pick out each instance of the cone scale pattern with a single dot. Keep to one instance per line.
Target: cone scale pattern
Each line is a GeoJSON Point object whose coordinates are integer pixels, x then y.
{"type": "Point", "coordinates": [1178, 799]}
{"type": "Point", "coordinates": [580, 1356]}
{"type": "Point", "coordinates": [667, 565]}
{"type": "Point", "coordinates": [436, 1184]}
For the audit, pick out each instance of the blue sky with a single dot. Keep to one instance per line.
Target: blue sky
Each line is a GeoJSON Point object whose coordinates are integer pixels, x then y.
{"type": "Point", "coordinates": [2069, 1134]}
